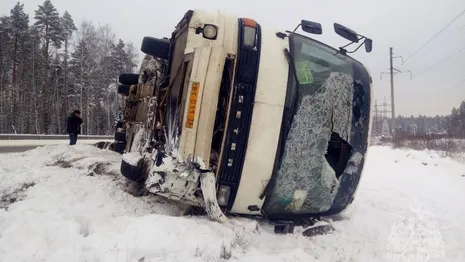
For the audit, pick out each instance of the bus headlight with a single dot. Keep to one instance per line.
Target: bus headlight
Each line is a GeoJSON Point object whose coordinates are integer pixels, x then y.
{"type": "Point", "coordinates": [224, 192]}
{"type": "Point", "coordinates": [210, 31]}
{"type": "Point", "coordinates": [249, 32]}
{"type": "Point", "coordinates": [249, 36]}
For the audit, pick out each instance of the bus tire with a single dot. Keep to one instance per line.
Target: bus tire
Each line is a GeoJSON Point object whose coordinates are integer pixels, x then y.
{"type": "Point", "coordinates": [120, 137]}
{"type": "Point", "coordinates": [133, 173]}
{"type": "Point", "coordinates": [119, 147]}
{"type": "Point", "coordinates": [129, 79]}
{"type": "Point", "coordinates": [119, 124]}
{"type": "Point", "coordinates": [124, 90]}
{"type": "Point", "coordinates": [155, 47]}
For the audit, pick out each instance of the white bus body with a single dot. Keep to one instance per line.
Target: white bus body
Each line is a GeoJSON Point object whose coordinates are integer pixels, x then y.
{"type": "Point", "coordinates": [245, 120]}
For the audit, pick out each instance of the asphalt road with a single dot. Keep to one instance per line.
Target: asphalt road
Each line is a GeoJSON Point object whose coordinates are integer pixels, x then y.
{"type": "Point", "coordinates": [15, 149]}
{"type": "Point", "coordinates": [18, 146]}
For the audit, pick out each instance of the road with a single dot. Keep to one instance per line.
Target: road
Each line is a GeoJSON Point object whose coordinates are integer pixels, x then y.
{"type": "Point", "coordinates": [15, 149]}
{"type": "Point", "coordinates": [18, 146]}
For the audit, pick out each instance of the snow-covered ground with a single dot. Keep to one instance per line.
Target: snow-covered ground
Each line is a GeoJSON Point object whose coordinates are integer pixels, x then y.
{"type": "Point", "coordinates": [61, 203]}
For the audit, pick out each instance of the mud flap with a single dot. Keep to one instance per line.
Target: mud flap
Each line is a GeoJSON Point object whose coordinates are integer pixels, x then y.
{"type": "Point", "coordinates": [207, 183]}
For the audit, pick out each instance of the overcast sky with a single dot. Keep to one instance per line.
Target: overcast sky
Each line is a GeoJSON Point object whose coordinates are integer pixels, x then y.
{"type": "Point", "coordinates": [403, 24]}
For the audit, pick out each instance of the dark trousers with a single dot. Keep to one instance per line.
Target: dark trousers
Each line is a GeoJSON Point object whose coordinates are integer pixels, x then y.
{"type": "Point", "coordinates": [73, 139]}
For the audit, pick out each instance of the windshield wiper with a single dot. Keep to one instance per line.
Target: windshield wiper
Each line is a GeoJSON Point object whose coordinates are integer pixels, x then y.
{"type": "Point", "coordinates": [291, 61]}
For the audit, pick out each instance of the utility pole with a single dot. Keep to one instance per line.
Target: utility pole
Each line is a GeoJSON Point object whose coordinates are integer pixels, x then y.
{"type": "Point", "coordinates": [376, 121]}
{"type": "Point", "coordinates": [384, 111]}
{"type": "Point", "coordinates": [392, 73]}
{"type": "Point", "coordinates": [393, 112]}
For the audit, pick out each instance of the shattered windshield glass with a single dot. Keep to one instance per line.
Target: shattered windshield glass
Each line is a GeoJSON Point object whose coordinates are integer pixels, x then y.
{"type": "Point", "coordinates": [306, 182]}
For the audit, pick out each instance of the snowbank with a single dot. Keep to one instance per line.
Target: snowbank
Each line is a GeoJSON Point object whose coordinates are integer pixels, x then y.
{"type": "Point", "coordinates": [62, 203]}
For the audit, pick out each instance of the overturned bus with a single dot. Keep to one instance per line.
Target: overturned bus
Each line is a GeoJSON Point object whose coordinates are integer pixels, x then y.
{"type": "Point", "coordinates": [242, 120]}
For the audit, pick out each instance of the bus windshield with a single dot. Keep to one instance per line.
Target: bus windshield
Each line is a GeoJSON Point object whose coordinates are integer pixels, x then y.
{"type": "Point", "coordinates": [319, 111]}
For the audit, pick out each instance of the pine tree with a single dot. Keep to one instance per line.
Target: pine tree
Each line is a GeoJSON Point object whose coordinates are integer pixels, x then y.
{"type": "Point", "coordinates": [35, 79]}
{"type": "Point", "coordinates": [5, 66]}
{"type": "Point", "coordinates": [19, 32]}
{"type": "Point", "coordinates": [48, 22]}
{"type": "Point", "coordinates": [68, 29]}
{"type": "Point", "coordinates": [82, 65]}
{"type": "Point", "coordinates": [454, 123]}
{"type": "Point", "coordinates": [123, 58]}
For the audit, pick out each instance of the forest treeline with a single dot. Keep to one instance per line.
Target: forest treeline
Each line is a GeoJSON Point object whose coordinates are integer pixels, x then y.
{"type": "Point", "coordinates": [49, 67]}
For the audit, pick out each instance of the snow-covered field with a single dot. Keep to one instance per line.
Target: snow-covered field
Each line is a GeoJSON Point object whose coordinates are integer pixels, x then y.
{"type": "Point", "coordinates": [61, 203]}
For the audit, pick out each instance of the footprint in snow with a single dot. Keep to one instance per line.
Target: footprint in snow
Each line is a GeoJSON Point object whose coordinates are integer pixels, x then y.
{"type": "Point", "coordinates": [415, 237]}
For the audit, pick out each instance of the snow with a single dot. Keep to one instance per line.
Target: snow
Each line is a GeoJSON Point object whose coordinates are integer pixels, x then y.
{"type": "Point", "coordinates": [71, 204]}
{"type": "Point", "coordinates": [132, 158]}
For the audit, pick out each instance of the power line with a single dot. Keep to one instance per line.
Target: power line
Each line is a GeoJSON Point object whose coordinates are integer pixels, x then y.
{"type": "Point", "coordinates": [440, 62]}
{"type": "Point", "coordinates": [458, 83]}
{"type": "Point", "coordinates": [452, 34]}
{"type": "Point", "coordinates": [448, 88]}
{"type": "Point", "coordinates": [458, 29]}
{"type": "Point", "coordinates": [434, 36]}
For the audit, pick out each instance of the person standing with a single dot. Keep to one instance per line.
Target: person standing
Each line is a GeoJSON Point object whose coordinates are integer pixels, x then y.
{"type": "Point", "coordinates": [73, 126]}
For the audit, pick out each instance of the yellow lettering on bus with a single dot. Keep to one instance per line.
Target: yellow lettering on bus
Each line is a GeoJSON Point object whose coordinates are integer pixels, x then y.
{"type": "Point", "coordinates": [192, 104]}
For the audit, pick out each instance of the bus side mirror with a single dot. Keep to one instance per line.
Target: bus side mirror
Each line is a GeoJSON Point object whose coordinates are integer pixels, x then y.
{"type": "Point", "coordinates": [346, 33]}
{"type": "Point", "coordinates": [311, 27]}
{"type": "Point", "coordinates": [368, 45]}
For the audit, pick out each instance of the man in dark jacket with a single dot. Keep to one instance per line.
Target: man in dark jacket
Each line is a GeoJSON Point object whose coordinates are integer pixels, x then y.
{"type": "Point", "coordinates": [73, 126]}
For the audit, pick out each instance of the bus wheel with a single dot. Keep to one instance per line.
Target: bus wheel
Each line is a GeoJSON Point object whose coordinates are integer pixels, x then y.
{"type": "Point", "coordinates": [133, 172]}
{"type": "Point", "coordinates": [119, 147]}
{"type": "Point", "coordinates": [120, 137]}
{"type": "Point", "coordinates": [123, 90]}
{"type": "Point", "coordinates": [129, 79]}
{"type": "Point", "coordinates": [156, 47]}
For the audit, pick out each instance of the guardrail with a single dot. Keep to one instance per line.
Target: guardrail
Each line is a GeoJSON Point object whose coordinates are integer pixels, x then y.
{"type": "Point", "coordinates": [50, 137]}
